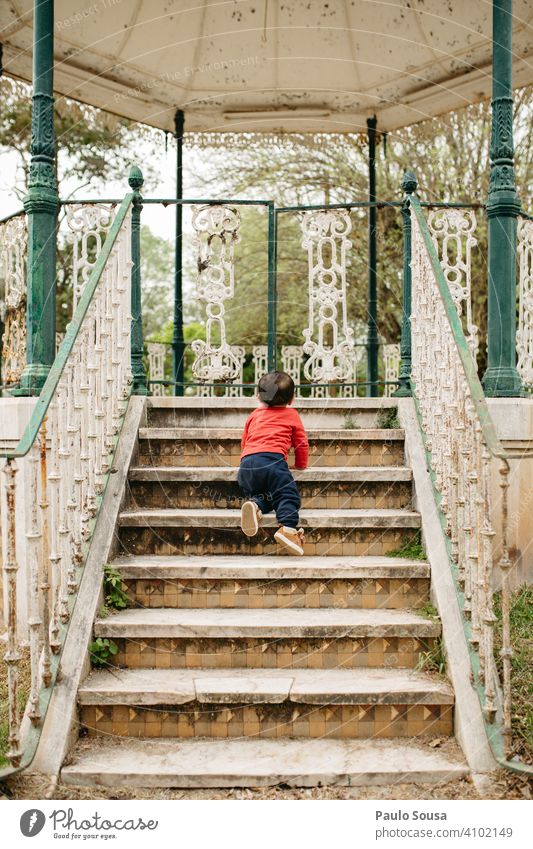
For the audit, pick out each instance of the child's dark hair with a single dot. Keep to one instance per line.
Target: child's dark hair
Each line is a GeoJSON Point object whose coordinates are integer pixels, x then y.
{"type": "Point", "coordinates": [276, 388]}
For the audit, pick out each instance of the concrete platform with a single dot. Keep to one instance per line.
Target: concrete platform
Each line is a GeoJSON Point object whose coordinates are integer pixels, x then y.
{"type": "Point", "coordinates": [265, 686]}
{"type": "Point", "coordinates": [259, 763]}
{"type": "Point", "coordinates": [272, 567]}
{"type": "Point", "coordinates": [273, 623]}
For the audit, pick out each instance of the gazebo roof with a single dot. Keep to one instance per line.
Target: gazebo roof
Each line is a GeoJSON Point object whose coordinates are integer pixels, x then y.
{"type": "Point", "coordinates": [264, 65]}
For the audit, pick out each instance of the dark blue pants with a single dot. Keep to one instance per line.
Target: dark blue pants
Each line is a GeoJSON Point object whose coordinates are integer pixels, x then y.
{"type": "Point", "coordinates": [266, 479]}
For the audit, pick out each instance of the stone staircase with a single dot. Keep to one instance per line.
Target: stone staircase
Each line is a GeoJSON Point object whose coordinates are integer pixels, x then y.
{"type": "Point", "coordinates": [238, 665]}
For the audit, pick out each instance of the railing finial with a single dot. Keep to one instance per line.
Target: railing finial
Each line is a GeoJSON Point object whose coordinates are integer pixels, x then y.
{"type": "Point", "coordinates": [135, 178]}
{"type": "Point", "coordinates": [409, 182]}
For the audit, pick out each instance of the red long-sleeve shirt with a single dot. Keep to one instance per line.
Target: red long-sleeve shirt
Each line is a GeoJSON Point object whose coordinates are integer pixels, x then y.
{"type": "Point", "coordinates": [275, 429]}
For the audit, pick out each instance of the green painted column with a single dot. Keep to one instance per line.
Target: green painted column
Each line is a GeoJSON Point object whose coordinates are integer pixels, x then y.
{"type": "Point", "coordinates": [501, 377]}
{"type": "Point", "coordinates": [140, 386]}
{"type": "Point", "coordinates": [404, 389]}
{"type": "Point", "coordinates": [41, 204]}
{"type": "Point", "coordinates": [178, 343]}
{"type": "Point", "coordinates": [372, 338]}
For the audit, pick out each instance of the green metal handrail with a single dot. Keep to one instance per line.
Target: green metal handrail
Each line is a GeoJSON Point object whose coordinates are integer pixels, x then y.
{"type": "Point", "coordinates": [494, 446]}
{"type": "Point", "coordinates": [54, 375]}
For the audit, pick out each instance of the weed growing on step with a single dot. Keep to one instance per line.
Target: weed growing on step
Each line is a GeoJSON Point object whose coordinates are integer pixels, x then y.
{"type": "Point", "coordinates": [114, 593]}
{"type": "Point", "coordinates": [521, 623]}
{"type": "Point", "coordinates": [433, 660]}
{"type": "Point", "coordinates": [412, 549]}
{"type": "Point", "coordinates": [428, 611]}
{"type": "Point", "coordinates": [387, 418]}
{"type": "Point", "coordinates": [24, 672]}
{"type": "Point", "coordinates": [349, 423]}
{"type": "Point", "coordinates": [102, 652]}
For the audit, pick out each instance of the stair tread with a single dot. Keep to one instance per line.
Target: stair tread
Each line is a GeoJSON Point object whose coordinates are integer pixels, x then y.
{"type": "Point", "coordinates": [338, 686]}
{"type": "Point", "coordinates": [227, 518]}
{"type": "Point", "coordinates": [267, 622]}
{"type": "Point", "coordinates": [325, 405]}
{"type": "Point", "coordinates": [233, 433]}
{"type": "Point", "coordinates": [312, 473]}
{"type": "Point", "coordinates": [251, 762]}
{"type": "Point", "coordinates": [274, 566]}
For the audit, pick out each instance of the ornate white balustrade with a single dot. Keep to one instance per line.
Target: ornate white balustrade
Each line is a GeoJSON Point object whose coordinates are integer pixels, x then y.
{"type": "Point", "coordinates": [88, 226]}
{"type": "Point", "coordinates": [524, 336]}
{"type": "Point", "coordinates": [453, 232]}
{"type": "Point", "coordinates": [13, 254]}
{"type": "Point", "coordinates": [70, 454]}
{"type": "Point", "coordinates": [462, 442]}
{"type": "Point", "coordinates": [156, 366]}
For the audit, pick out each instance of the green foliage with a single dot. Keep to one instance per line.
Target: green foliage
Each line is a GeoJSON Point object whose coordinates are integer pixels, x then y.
{"type": "Point", "coordinates": [387, 418]}
{"type": "Point", "coordinates": [412, 549]}
{"type": "Point", "coordinates": [349, 422]}
{"type": "Point", "coordinates": [115, 596]}
{"type": "Point", "coordinates": [102, 652]}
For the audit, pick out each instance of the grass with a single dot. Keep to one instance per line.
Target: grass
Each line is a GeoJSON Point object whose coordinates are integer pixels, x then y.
{"type": "Point", "coordinates": [24, 689]}
{"type": "Point", "coordinates": [412, 549]}
{"type": "Point", "coordinates": [521, 619]}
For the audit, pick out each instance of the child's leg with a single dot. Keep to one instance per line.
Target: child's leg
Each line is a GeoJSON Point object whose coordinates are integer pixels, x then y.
{"type": "Point", "coordinates": [251, 480]}
{"type": "Point", "coordinates": [285, 495]}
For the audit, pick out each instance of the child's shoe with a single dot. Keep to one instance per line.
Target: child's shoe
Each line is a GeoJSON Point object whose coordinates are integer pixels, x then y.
{"type": "Point", "coordinates": [250, 518]}
{"type": "Point", "coordinates": [291, 539]}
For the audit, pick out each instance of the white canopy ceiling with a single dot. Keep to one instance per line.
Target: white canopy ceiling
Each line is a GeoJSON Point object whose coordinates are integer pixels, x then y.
{"type": "Point", "coordinates": [263, 65]}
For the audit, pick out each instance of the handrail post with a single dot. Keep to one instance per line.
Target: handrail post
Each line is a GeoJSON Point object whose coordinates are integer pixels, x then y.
{"type": "Point", "coordinates": [41, 204]}
{"type": "Point", "coordinates": [272, 292]}
{"type": "Point", "coordinates": [501, 378]}
{"type": "Point", "coordinates": [178, 343]}
{"type": "Point", "coordinates": [373, 340]}
{"type": "Point", "coordinates": [409, 185]}
{"type": "Point", "coordinates": [138, 372]}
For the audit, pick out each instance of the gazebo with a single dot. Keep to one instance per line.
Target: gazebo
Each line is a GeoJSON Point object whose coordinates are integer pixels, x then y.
{"type": "Point", "coordinates": [262, 67]}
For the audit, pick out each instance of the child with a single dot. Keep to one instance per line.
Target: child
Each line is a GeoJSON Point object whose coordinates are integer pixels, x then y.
{"type": "Point", "coordinates": [264, 475]}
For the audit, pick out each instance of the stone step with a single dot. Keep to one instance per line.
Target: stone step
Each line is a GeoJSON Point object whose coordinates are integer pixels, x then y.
{"type": "Point", "coordinates": [270, 568]}
{"type": "Point", "coordinates": [192, 486]}
{"type": "Point", "coordinates": [260, 763]}
{"type": "Point", "coordinates": [150, 687]}
{"type": "Point", "coordinates": [222, 446]}
{"type": "Point", "coordinates": [265, 703]}
{"type": "Point", "coordinates": [223, 518]}
{"type": "Point", "coordinates": [331, 412]}
{"type": "Point", "coordinates": [242, 582]}
{"type": "Point", "coordinates": [232, 434]}
{"type": "Point", "coordinates": [217, 531]}
{"type": "Point", "coordinates": [272, 624]}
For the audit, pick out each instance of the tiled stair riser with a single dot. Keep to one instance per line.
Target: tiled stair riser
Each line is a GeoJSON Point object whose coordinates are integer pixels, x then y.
{"type": "Point", "coordinates": [338, 593]}
{"type": "Point", "coordinates": [275, 653]}
{"type": "Point", "coordinates": [267, 720]}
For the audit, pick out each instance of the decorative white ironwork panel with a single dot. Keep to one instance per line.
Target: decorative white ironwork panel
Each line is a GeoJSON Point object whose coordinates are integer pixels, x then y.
{"type": "Point", "coordinates": [227, 389]}
{"type": "Point", "coordinates": [89, 225]}
{"type": "Point", "coordinates": [328, 338]}
{"type": "Point", "coordinates": [156, 366]}
{"type": "Point", "coordinates": [453, 231]}
{"type": "Point", "coordinates": [391, 361]}
{"type": "Point", "coordinates": [13, 255]}
{"type": "Point", "coordinates": [217, 232]}
{"type": "Point", "coordinates": [460, 458]}
{"type": "Point", "coordinates": [524, 335]}
{"type": "Point", "coordinates": [291, 359]}
{"type": "Point", "coordinates": [260, 359]}
{"type": "Point", "coordinates": [69, 462]}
